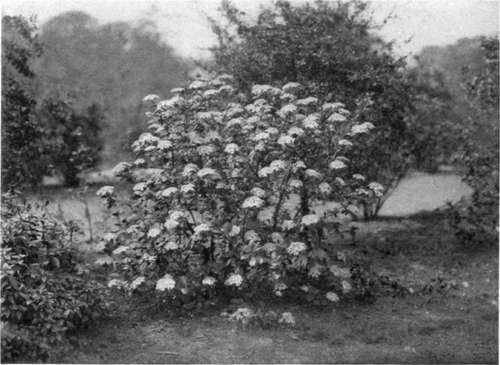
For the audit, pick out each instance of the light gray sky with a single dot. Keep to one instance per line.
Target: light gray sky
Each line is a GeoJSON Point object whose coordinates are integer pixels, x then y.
{"type": "Point", "coordinates": [183, 23]}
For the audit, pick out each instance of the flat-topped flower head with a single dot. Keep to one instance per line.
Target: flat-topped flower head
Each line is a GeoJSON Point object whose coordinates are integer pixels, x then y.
{"type": "Point", "coordinates": [336, 117]}
{"type": "Point", "coordinates": [164, 144]}
{"type": "Point", "coordinates": [377, 188]}
{"type": "Point", "coordinates": [176, 215]}
{"type": "Point", "coordinates": [208, 281]}
{"type": "Point", "coordinates": [151, 98]}
{"type": "Point", "coordinates": [358, 177]}
{"type": "Point", "coordinates": [311, 121]}
{"type": "Point", "coordinates": [332, 297]}
{"type": "Point", "coordinates": [362, 128]}
{"type": "Point", "coordinates": [287, 318]}
{"type": "Point", "coordinates": [258, 192]}
{"type": "Point", "coordinates": [288, 224]}
{"type": "Point", "coordinates": [291, 87]}
{"type": "Point", "coordinates": [207, 172]}
{"type": "Point", "coordinates": [210, 93]}
{"type": "Point", "coordinates": [296, 248]}
{"type": "Point", "coordinates": [313, 173]}
{"type": "Point", "coordinates": [139, 187]}
{"type": "Point", "coordinates": [252, 202]}
{"type": "Point", "coordinates": [346, 287]}
{"type": "Point", "coordinates": [277, 165]}
{"type": "Point", "coordinates": [168, 192]}
{"type": "Point", "coordinates": [262, 136]}
{"type": "Point", "coordinates": [201, 228]}
{"type": "Point", "coordinates": [265, 171]}
{"type": "Point", "coordinates": [309, 101]}
{"type": "Point", "coordinates": [177, 90]}
{"type": "Point", "coordinates": [272, 130]}
{"type": "Point", "coordinates": [137, 282]}
{"type": "Point", "coordinates": [337, 165]}
{"type": "Point", "coordinates": [231, 148]}
{"type": "Point", "coordinates": [189, 169]}
{"type": "Point", "coordinates": [187, 188]}
{"type": "Point", "coordinates": [105, 191]}
{"type": "Point", "coordinates": [197, 84]}
{"type": "Point", "coordinates": [286, 140]}
{"type": "Point", "coordinates": [234, 280]}
{"type": "Point", "coordinates": [287, 110]}
{"type": "Point", "coordinates": [331, 107]}
{"type": "Point", "coordinates": [287, 97]}
{"type": "Point", "coordinates": [167, 282]}
{"type": "Point", "coordinates": [226, 89]}
{"type": "Point", "coordinates": [325, 188]}
{"type": "Point", "coordinates": [172, 103]}
{"type": "Point", "coordinates": [154, 232]}
{"type": "Point", "coordinates": [235, 230]}
{"type": "Point", "coordinates": [235, 122]}
{"type": "Point", "coordinates": [171, 224]}
{"type": "Point", "coordinates": [121, 168]}
{"type": "Point", "coordinates": [264, 90]}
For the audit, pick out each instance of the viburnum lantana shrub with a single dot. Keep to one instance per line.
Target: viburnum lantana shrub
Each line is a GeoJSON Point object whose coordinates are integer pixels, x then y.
{"type": "Point", "coordinates": [236, 193]}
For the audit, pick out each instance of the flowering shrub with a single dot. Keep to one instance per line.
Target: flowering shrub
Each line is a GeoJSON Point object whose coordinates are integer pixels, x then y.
{"type": "Point", "coordinates": [237, 194]}
{"type": "Point", "coordinates": [46, 293]}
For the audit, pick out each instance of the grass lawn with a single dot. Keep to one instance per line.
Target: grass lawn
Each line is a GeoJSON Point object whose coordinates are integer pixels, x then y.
{"type": "Point", "coordinates": [452, 315]}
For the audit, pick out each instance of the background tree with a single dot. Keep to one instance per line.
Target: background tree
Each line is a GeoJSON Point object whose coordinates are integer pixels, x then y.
{"type": "Point", "coordinates": [335, 47]}
{"type": "Point", "coordinates": [73, 137]}
{"type": "Point", "coordinates": [22, 135]}
{"type": "Point", "coordinates": [112, 65]}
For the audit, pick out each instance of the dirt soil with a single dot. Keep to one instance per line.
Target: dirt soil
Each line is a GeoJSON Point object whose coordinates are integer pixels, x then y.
{"type": "Point", "coordinates": [451, 316]}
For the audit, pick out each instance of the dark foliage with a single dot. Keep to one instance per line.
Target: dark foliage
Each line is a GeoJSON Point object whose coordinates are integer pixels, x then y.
{"type": "Point", "coordinates": [46, 292]}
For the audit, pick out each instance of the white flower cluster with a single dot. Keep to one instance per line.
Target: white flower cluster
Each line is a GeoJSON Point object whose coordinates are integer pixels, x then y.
{"type": "Point", "coordinates": [262, 90]}
{"type": "Point", "coordinates": [287, 111]}
{"type": "Point", "coordinates": [208, 281]}
{"type": "Point", "coordinates": [332, 297]}
{"type": "Point", "coordinates": [121, 168]}
{"type": "Point", "coordinates": [201, 228]}
{"type": "Point", "coordinates": [167, 282]}
{"type": "Point", "coordinates": [151, 98]}
{"type": "Point", "coordinates": [168, 192]}
{"type": "Point", "coordinates": [377, 188]}
{"type": "Point", "coordinates": [291, 87]}
{"type": "Point", "coordinates": [296, 248]}
{"type": "Point", "coordinates": [337, 165]}
{"type": "Point", "coordinates": [154, 232]}
{"type": "Point", "coordinates": [286, 140]}
{"type": "Point", "coordinates": [252, 202]}
{"type": "Point", "coordinates": [325, 188]}
{"type": "Point", "coordinates": [137, 282]}
{"type": "Point", "coordinates": [307, 101]}
{"type": "Point", "coordinates": [234, 280]}
{"type": "Point", "coordinates": [105, 191]}
{"type": "Point", "coordinates": [287, 318]}
{"type": "Point", "coordinates": [362, 128]}
{"type": "Point", "coordinates": [207, 171]}
{"type": "Point", "coordinates": [231, 148]}
{"type": "Point", "coordinates": [311, 121]}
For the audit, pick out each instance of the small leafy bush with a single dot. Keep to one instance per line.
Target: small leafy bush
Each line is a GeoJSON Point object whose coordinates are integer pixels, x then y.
{"type": "Point", "coordinates": [477, 220]}
{"type": "Point", "coordinates": [46, 292]}
{"type": "Point", "coordinates": [239, 194]}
